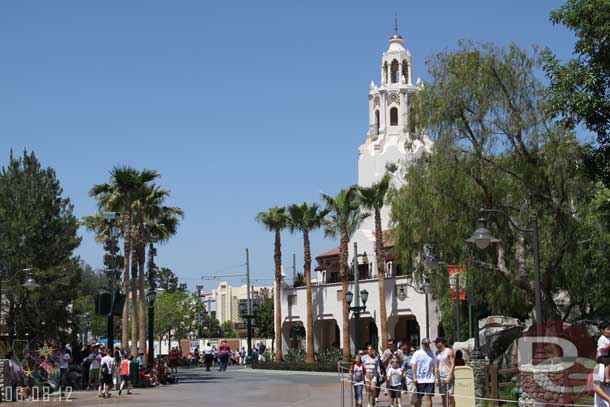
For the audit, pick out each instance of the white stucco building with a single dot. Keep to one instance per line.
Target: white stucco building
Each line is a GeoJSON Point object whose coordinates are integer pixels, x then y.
{"type": "Point", "coordinates": [389, 139]}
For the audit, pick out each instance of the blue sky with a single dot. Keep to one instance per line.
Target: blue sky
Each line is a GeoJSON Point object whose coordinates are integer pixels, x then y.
{"type": "Point", "coordinates": [240, 105]}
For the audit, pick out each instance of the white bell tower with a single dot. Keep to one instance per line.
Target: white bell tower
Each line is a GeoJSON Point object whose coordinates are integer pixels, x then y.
{"type": "Point", "coordinates": [390, 137]}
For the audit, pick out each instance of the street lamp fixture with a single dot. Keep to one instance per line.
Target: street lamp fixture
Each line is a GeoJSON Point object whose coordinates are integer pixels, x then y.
{"type": "Point", "coordinates": [151, 297]}
{"type": "Point", "coordinates": [482, 237]}
{"type": "Point", "coordinates": [30, 284]}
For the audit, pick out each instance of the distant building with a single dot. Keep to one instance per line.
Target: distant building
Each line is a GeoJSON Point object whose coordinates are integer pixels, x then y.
{"type": "Point", "coordinates": [223, 302]}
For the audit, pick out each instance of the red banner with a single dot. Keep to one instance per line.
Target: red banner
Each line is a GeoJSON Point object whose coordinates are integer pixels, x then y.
{"type": "Point", "coordinates": [457, 276]}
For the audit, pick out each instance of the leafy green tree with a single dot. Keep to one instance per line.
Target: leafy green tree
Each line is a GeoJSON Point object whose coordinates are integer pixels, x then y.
{"type": "Point", "coordinates": [228, 329]}
{"type": "Point", "coordinates": [305, 218]}
{"type": "Point", "coordinates": [264, 319]}
{"type": "Point", "coordinates": [39, 232]}
{"type": "Point", "coordinates": [172, 313]}
{"type": "Point", "coordinates": [118, 195]}
{"type": "Point", "coordinates": [373, 198]}
{"type": "Point", "coordinates": [580, 87]}
{"type": "Point", "coordinates": [344, 216]}
{"type": "Point", "coordinates": [167, 280]}
{"type": "Point", "coordinates": [496, 146]}
{"type": "Point", "coordinates": [275, 220]}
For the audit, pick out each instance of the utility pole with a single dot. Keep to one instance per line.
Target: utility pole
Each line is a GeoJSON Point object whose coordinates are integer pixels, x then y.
{"type": "Point", "coordinates": [249, 300]}
{"type": "Point", "coordinates": [294, 268]}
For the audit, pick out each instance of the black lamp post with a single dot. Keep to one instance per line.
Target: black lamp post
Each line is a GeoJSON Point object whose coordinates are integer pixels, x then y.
{"type": "Point", "coordinates": [482, 238]}
{"type": "Point", "coordinates": [151, 297]}
{"type": "Point", "coordinates": [110, 261]}
{"type": "Point", "coordinates": [357, 309]}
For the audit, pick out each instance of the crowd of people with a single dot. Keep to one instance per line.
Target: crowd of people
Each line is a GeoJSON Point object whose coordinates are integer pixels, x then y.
{"type": "Point", "coordinates": [402, 371]}
{"type": "Point", "coordinates": [210, 356]}
{"type": "Point", "coordinates": [91, 367]}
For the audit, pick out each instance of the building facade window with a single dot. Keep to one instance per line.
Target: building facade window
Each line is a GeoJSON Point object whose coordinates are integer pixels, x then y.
{"type": "Point", "coordinates": [376, 122]}
{"type": "Point", "coordinates": [394, 71]}
{"type": "Point", "coordinates": [394, 116]}
{"type": "Point", "coordinates": [405, 70]}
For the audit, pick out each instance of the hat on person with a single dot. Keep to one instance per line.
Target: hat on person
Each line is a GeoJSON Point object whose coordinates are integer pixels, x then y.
{"type": "Point", "coordinates": [425, 341]}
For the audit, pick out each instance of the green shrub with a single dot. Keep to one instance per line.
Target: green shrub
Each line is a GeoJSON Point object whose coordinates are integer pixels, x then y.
{"type": "Point", "coordinates": [296, 366]}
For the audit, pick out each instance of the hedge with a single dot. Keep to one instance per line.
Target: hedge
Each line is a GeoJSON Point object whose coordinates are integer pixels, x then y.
{"type": "Point", "coordinates": [297, 366]}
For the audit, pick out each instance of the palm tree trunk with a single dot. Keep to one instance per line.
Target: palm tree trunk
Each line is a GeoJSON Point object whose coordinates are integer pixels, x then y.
{"type": "Point", "coordinates": [343, 269]}
{"type": "Point", "coordinates": [379, 255]}
{"type": "Point", "coordinates": [307, 268]}
{"type": "Point", "coordinates": [278, 282]}
{"type": "Point", "coordinates": [142, 300]}
{"type": "Point", "coordinates": [126, 270]}
{"type": "Point", "coordinates": [134, 305]}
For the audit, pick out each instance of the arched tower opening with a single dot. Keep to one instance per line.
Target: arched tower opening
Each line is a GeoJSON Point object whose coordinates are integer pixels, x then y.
{"type": "Point", "coordinates": [394, 71]}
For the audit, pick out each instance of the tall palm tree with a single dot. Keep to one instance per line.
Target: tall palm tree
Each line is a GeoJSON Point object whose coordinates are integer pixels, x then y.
{"type": "Point", "coordinates": [117, 195]}
{"type": "Point", "coordinates": [372, 199]}
{"type": "Point", "coordinates": [305, 218]}
{"type": "Point", "coordinates": [275, 219]}
{"type": "Point", "coordinates": [154, 223]}
{"type": "Point", "coordinates": [344, 217]}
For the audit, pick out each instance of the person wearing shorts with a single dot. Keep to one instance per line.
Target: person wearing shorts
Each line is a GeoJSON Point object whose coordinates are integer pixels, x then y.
{"type": "Point", "coordinates": [125, 373]}
{"type": "Point", "coordinates": [394, 376]}
{"type": "Point", "coordinates": [446, 367]}
{"type": "Point", "coordinates": [372, 369]}
{"type": "Point", "coordinates": [423, 364]}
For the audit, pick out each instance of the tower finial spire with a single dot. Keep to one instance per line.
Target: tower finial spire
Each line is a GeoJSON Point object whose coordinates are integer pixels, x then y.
{"type": "Point", "coordinates": [395, 23]}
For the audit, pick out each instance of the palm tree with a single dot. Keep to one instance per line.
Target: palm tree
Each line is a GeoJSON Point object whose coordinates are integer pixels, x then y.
{"type": "Point", "coordinates": [154, 223]}
{"type": "Point", "coordinates": [275, 220]}
{"type": "Point", "coordinates": [343, 220]}
{"type": "Point", "coordinates": [305, 218]}
{"type": "Point", "coordinates": [117, 195]}
{"type": "Point", "coordinates": [372, 199]}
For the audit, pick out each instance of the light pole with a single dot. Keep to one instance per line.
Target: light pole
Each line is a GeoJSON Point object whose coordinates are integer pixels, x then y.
{"type": "Point", "coordinates": [482, 238]}
{"type": "Point", "coordinates": [110, 260]}
{"type": "Point", "coordinates": [357, 309]}
{"type": "Point", "coordinates": [151, 297]}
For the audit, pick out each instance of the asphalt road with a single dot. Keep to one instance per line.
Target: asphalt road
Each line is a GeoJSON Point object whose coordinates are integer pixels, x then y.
{"type": "Point", "coordinates": [235, 387]}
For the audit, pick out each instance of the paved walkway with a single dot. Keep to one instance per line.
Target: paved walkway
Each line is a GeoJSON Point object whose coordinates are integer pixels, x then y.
{"type": "Point", "coordinates": [236, 387]}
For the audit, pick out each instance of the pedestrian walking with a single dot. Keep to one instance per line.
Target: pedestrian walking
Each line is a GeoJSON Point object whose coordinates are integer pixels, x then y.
{"type": "Point", "coordinates": [208, 356]}
{"type": "Point", "coordinates": [372, 368]}
{"type": "Point", "coordinates": [64, 363]}
{"type": "Point", "coordinates": [173, 360]}
{"type": "Point", "coordinates": [423, 364]}
{"type": "Point", "coordinates": [409, 385]}
{"type": "Point", "coordinates": [394, 376]}
{"type": "Point", "coordinates": [107, 369]}
{"type": "Point", "coordinates": [224, 353]}
{"type": "Point", "coordinates": [94, 359]}
{"type": "Point", "coordinates": [445, 372]}
{"type": "Point", "coordinates": [391, 352]}
{"type": "Point", "coordinates": [356, 373]}
{"type": "Point", "coordinates": [125, 375]}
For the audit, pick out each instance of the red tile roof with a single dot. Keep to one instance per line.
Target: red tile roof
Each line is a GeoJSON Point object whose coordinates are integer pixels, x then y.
{"type": "Point", "coordinates": [330, 253]}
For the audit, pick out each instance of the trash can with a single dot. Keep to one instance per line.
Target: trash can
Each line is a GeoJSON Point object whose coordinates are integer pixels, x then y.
{"type": "Point", "coordinates": [134, 371]}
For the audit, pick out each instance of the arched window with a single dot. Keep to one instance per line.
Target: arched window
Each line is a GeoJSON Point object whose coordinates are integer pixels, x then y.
{"type": "Point", "coordinates": [376, 122]}
{"type": "Point", "coordinates": [394, 116]}
{"type": "Point", "coordinates": [394, 71]}
{"type": "Point", "coordinates": [385, 72]}
{"type": "Point", "coordinates": [405, 70]}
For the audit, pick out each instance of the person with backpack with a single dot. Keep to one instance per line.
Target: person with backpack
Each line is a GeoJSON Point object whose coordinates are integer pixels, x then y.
{"type": "Point", "coordinates": [107, 369]}
{"type": "Point", "coordinates": [356, 373]}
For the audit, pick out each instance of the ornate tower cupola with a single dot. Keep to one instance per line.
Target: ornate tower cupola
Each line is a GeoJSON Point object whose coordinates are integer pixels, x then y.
{"type": "Point", "coordinates": [388, 102]}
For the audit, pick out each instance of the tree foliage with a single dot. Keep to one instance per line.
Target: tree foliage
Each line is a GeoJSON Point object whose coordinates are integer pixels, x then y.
{"type": "Point", "coordinates": [39, 232]}
{"type": "Point", "coordinates": [496, 146]}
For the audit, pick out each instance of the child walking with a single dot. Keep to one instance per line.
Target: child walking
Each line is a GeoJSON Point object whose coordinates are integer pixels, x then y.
{"type": "Point", "coordinates": [357, 374]}
{"type": "Point", "coordinates": [125, 375]}
{"type": "Point", "coordinates": [394, 377]}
